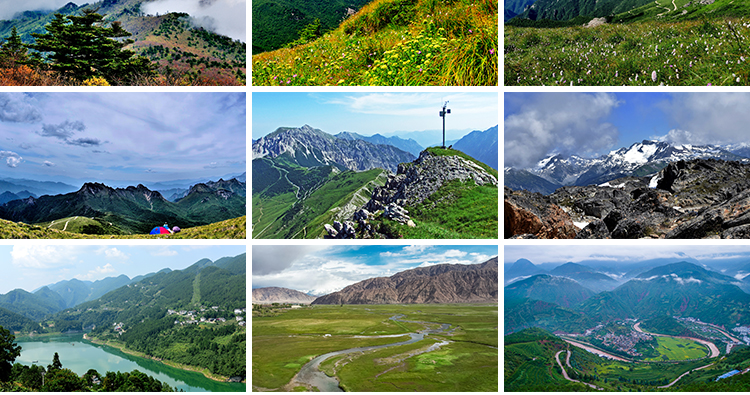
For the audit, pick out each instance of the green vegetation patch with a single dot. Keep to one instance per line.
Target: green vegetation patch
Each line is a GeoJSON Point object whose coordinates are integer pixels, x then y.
{"type": "Point", "coordinates": [292, 338]}
{"type": "Point", "coordinates": [651, 53]}
{"type": "Point", "coordinates": [675, 349]}
{"type": "Point", "coordinates": [395, 42]}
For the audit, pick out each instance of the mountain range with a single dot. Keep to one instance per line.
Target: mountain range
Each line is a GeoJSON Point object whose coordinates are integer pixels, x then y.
{"type": "Point", "coordinates": [639, 159]}
{"type": "Point", "coordinates": [133, 209]}
{"type": "Point", "coordinates": [268, 295]}
{"type": "Point", "coordinates": [432, 284]}
{"type": "Point", "coordinates": [680, 289]}
{"type": "Point", "coordinates": [174, 40]}
{"type": "Point", "coordinates": [304, 178]}
{"type": "Point", "coordinates": [700, 198]}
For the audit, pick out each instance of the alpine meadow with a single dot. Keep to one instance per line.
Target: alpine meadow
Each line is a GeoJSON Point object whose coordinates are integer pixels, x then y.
{"type": "Point", "coordinates": [383, 42]}
{"type": "Point", "coordinates": [632, 43]}
{"type": "Point", "coordinates": [373, 181]}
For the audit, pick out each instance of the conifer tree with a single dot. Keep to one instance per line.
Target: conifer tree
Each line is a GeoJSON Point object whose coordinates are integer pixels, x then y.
{"type": "Point", "coordinates": [82, 47]}
{"type": "Point", "coordinates": [12, 50]}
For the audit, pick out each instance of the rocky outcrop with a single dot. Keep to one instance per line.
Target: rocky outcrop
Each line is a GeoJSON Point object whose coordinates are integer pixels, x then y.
{"type": "Point", "coordinates": [702, 198]}
{"type": "Point", "coordinates": [412, 185]}
{"type": "Point", "coordinates": [433, 284]}
{"type": "Point", "coordinates": [536, 214]}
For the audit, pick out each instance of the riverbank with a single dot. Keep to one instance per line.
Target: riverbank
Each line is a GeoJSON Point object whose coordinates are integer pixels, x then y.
{"type": "Point", "coordinates": [118, 345]}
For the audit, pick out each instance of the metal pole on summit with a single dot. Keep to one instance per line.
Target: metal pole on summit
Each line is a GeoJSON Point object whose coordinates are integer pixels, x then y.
{"type": "Point", "coordinates": [442, 115]}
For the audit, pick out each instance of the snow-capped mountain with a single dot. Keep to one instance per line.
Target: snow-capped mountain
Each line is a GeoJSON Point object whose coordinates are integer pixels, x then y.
{"type": "Point", "coordinates": [639, 159]}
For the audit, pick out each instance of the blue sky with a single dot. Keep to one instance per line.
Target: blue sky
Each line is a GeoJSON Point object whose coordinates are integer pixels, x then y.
{"type": "Point", "coordinates": [36, 265]}
{"type": "Point", "coordinates": [122, 138]}
{"type": "Point", "coordinates": [372, 113]}
{"type": "Point", "coordinates": [320, 270]}
{"type": "Point", "coordinates": [591, 124]}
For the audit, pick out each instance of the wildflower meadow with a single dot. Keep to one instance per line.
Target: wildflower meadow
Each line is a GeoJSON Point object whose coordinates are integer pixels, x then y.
{"type": "Point", "coordinates": [395, 42]}
{"type": "Point", "coordinates": [707, 52]}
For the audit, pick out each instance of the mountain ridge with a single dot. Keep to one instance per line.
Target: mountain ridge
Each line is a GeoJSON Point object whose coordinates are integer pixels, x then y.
{"type": "Point", "coordinates": [444, 283]}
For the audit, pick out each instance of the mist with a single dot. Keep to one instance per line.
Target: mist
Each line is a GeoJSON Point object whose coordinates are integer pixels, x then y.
{"type": "Point", "coordinates": [225, 17]}
{"type": "Point", "coordinates": [8, 9]}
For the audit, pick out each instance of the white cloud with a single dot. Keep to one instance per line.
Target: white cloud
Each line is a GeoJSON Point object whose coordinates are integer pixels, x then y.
{"type": "Point", "coordinates": [48, 163]}
{"type": "Point", "coordinates": [226, 17]}
{"type": "Point", "coordinates": [163, 251]}
{"type": "Point", "coordinates": [97, 273]}
{"type": "Point", "coordinates": [43, 256]}
{"type": "Point", "coordinates": [559, 122]}
{"type": "Point", "coordinates": [703, 118]}
{"type": "Point", "coordinates": [114, 253]}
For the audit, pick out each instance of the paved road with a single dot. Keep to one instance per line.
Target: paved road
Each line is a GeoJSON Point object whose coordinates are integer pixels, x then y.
{"type": "Point", "coordinates": [565, 374]}
{"type": "Point", "coordinates": [683, 375]}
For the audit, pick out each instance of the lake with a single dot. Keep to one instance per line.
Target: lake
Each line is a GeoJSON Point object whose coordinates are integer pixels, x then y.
{"type": "Point", "coordinates": [79, 356]}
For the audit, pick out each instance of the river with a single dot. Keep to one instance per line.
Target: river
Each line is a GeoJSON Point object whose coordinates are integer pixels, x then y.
{"type": "Point", "coordinates": [311, 375]}
{"type": "Point", "coordinates": [79, 356]}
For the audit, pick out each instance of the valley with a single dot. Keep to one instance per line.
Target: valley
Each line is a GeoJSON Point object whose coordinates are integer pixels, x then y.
{"type": "Point", "coordinates": [191, 319]}
{"type": "Point", "coordinates": [676, 325]}
{"type": "Point", "coordinates": [431, 326]}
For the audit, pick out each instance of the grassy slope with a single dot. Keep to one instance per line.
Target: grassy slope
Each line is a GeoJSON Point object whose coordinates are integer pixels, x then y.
{"type": "Point", "coordinates": [458, 210]}
{"type": "Point", "coordinates": [277, 23]}
{"type": "Point", "coordinates": [708, 45]}
{"type": "Point", "coordinates": [395, 42]}
{"type": "Point", "coordinates": [283, 216]}
{"type": "Point", "coordinates": [234, 228]}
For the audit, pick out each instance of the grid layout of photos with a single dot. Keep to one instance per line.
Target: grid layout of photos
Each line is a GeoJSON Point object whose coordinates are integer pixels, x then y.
{"type": "Point", "coordinates": [104, 160]}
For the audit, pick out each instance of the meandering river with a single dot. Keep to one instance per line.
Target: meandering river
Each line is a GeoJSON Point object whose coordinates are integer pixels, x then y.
{"type": "Point", "coordinates": [311, 375]}
{"type": "Point", "coordinates": [80, 356]}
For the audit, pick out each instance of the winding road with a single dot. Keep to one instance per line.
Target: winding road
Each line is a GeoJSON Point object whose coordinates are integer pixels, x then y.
{"type": "Point", "coordinates": [565, 374]}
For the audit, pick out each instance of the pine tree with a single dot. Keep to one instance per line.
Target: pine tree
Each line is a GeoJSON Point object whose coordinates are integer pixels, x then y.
{"type": "Point", "coordinates": [82, 47]}
{"type": "Point", "coordinates": [12, 50]}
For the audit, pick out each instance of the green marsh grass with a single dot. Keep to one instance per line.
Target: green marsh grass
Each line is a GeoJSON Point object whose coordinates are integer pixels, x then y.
{"type": "Point", "coordinates": [283, 343]}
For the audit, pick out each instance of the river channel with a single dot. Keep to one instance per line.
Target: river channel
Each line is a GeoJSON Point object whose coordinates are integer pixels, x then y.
{"type": "Point", "coordinates": [80, 355]}
{"type": "Point", "coordinates": [311, 375]}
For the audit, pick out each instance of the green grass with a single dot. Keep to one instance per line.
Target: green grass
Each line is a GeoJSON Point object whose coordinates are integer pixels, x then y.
{"type": "Point", "coordinates": [301, 334]}
{"type": "Point", "coordinates": [458, 210]}
{"type": "Point", "coordinates": [695, 52]}
{"type": "Point", "coordinates": [675, 349]}
{"type": "Point", "coordinates": [234, 228]}
{"type": "Point", "coordinates": [395, 42]}
{"type": "Point", "coordinates": [285, 216]}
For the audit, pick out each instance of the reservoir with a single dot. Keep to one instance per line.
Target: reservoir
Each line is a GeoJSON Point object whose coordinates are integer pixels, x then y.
{"type": "Point", "coordinates": [79, 356]}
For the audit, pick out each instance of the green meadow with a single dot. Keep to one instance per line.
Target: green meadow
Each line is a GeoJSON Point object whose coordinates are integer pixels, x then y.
{"type": "Point", "coordinates": [675, 349]}
{"type": "Point", "coordinates": [282, 344]}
